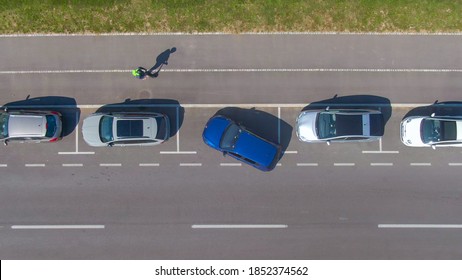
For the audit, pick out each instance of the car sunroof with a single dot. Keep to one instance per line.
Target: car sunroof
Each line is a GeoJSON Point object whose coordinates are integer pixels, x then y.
{"type": "Point", "coordinates": [130, 128]}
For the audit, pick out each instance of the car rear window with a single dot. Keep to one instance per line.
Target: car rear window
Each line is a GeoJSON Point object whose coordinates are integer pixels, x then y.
{"type": "Point", "coordinates": [51, 126]}
{"type": "Point", "coordinates": [129, 128]}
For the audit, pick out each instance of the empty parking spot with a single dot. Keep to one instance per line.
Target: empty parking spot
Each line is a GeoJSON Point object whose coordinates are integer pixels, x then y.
{"type": "Point", "coordinates": [307, 164]}
{"type": "Point", "coordinates": [230, 164]}
{"type": "Point", "coordinates": [149, 164]}
{"type": "Point", "coordinates": [237, 226]}
{"type": "Point", "coordinates": [34, 165]}
{"type": "Point", "coordinates": [417, 226]}
{"type": "Point", "coordinates": [421, 164]}
{"type": "Point", "coordinates": [190, 164]}
{"type": "Point", "coordinates": [344, 164]}
{"type": "Point", "coordinates": [110, 164]}
{"type": "Point", "coordinates": [72, 164]}
{"type": "Point", "coordinates": [381, 164]}
{"type": "Point", "coordinates": [57, 227]}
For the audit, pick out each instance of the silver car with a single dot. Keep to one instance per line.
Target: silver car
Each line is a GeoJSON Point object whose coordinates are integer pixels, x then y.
{"type": "Point", "coordinates": [339, 125]}
{"type": "Point", "coordinates": [125, 129]}
{"type": "Point", "coordinates": [30, 126]}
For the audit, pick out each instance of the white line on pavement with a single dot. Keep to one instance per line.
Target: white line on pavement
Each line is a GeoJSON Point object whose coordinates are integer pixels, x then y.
{"type": "Point", "coordinates": [57, 227]}
{"type": "Point", "coordinates": [72, 164]}
{"type": "Point", "coordinates": [242, 70]}
{"type": "Point", "coordinates": [190, 164]}
{"type": "Point", "coordinates": [3, 165]}
{"type": "Point", "coordinates": [380, 152]}
{"type": "Point", "coordinates": [230, 164]}
{"type": "Point", "coordinates": [455, 164]}
{"type": "Point", "coordinates": [307, 164]}
{"type": "Point", "coordinates": [35, 165]}
{"type": "Point", "coordinates": [421, 164]}
{"type": "Point", "coordinates": [419, 226]}
{"type": "Point", "coordinates": [110, 164]}
{"type": "Point", "coordinates": [149, 164]}
{"type": "Point", "coordinates": [291, 152]}
{"type": "Point", "coordinates": [344, 164]}
{"type": "Point", "coordinates": [237, 226]}
{"type": "Point", "coordinates": [76, 153]}
{"type": "Point", "coordinates": [278, 164]}
{"type": "Point", "coordinates": [381, 164]}
{"type": "Point", "coordinates": [178, 153]}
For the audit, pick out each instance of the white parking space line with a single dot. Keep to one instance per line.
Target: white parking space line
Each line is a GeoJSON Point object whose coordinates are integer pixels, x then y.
{"type": "Point", "coordinates": [434, 226]}
{"type": "Point", "coordinates": [307, 164]}
{"type": "Point", "coordinates": [178, 152]}
{"type": "Point", "coordinates": [455, 164]}
{"type": "Point", "coordinates": [110, 164]}
{"type": "Point", "coordinates": [72, 164]}
{"type": "Point", "coordinates": [3, 165]}
{"type": "Point", "coordinates": [57, 227]}
{"type": "Point", "coordinates": [237, 226]}
{"type": "Point", "coordinates": [421, 164]}
{"type": "Point", "coordinates": [76, 153]}
{"type": "Point", "coordinates": [344, 164]}
{"type": "Point", "coordinates": [291, 152]}
{"type": "Point", "coordinates": [230, 164]}
{"type": "Point", "coordinates": [190, 164]}
{"type": "Point", "coordinates": [149, 164]}
{"type": "Point", "coordinates": [35, 165]}
{"type": "Point", "coordinates": [381, 164]}
{"type": "Point", "coordinates": [380, 152]}
{"type": "Point", "coordinates": [278, 164]}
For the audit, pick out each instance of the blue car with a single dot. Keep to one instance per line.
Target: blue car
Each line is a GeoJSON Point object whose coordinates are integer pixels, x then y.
{"type": "Point", "coordinates": [225, 135]}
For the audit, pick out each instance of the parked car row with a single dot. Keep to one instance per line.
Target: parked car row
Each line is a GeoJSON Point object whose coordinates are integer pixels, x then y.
{"type": "Point", "coordinates": [231, 137]}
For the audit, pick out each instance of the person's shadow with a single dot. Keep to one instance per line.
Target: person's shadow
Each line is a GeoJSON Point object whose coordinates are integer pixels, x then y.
{"type": "Point", "coordinates": [161, 60]}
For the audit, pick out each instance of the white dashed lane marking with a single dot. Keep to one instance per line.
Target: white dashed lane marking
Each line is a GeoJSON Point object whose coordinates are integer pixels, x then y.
{"type": "Point", "coordinates": [416, 226]}
{"type": "Point", "coordinates": [381, 164]}
{"type": "Point", "coordinates": [236, 226]}
{"type": "Point", "coordinates": [110, 164]}
{"type": "Point", "coordinates": [307, 164]}
{"type": "Point", "coordinates": [344, 164]}
{"type": "Point", "coordinates": [35, 165]}
{"type": "Point", "coordinates": [57, 227]}
{"type": "Point", "coordinates": [421, 164]}
{"type": "Point", "coordinates": [190, 164]}
{"type": "Point", "coordinates": [149, 164]}
{"type": "Point", "coordinates": [3, 165]}
{"type": "Point", "coordinates": [72, 164]}
{"type": "Point", "coordinates": [230, 164]}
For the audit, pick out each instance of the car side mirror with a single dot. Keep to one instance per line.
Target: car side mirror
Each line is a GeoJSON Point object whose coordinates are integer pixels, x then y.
{"type": "Point", "coordinates": [224, 153]}
{"type": "Point", "coordinates": [434, 147]}
{"type": "Point", "coordinates": [5, 142]}
{"type": "Point", "coordinates": [432, 115]}
{"type": "Point", "coordinates": [328, 142]}
{"type": "Point", "coordinates": [5, 109]}
{"type": "Point", "coordinates": [328, 107]}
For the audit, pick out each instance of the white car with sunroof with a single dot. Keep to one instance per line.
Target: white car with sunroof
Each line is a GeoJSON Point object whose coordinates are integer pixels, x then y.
{"type": "Point", "coordinates": [432, 131]}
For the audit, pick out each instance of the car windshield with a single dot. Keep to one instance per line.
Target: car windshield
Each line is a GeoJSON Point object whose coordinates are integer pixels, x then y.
{"type": "Point", "coordinates": [161, 128]}
{"type": "Point", "coordinates": [325, 125]}
{"type": "Point", "coordinates": [229, 138]}
{"type": "Point", "coordinates": [105, 129]}
{"type": "Point", "coordinates": [3, 125]}
{"type": "Point", "coordinates": [51, 126]}
{"type": "Point", "coordinates": [438, 130]}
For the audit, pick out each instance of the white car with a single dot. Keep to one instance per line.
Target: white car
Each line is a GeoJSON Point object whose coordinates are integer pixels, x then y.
{"type": "Point", "coordinates": [126, 129]}
{"type": "Point", "coordinates": [433, 131]}
{"type": "Point", "coordinates": [339, 125]}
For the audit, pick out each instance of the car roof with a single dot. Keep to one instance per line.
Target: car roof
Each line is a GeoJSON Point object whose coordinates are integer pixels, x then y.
{"type": "Point", "coordinates": [27, 125]}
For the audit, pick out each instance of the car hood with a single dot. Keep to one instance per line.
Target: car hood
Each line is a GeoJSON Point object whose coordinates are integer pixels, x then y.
{"type": "Point", "coordinates": [255, 148]}
{"type": "Point", "coordinates": [410, 131]}
{"type": "Point", "coordinates": [306, 126]}
{"type": "Point", "coordinates": [213, 131]}
{"type": "Point", "coordinates": [90, 131]}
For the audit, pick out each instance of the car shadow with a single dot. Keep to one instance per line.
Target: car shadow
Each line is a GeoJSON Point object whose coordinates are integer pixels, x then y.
{"type": "Point", "coordinates": [262, 124]}
{"type": "Point", "coordinates": [171, 108]}
{"type": "Point", "coordinates": [65, 105]}
{"type": "Point", "coordinates": [447, 108]}
{"type": "Point", "coordinates": [368, 102]}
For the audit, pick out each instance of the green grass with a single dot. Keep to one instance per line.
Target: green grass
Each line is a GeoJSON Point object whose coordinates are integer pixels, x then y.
{"type": "Point", "coordinates": [104, 16]}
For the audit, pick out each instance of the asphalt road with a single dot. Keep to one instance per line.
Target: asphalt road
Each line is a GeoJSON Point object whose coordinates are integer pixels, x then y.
{"type": "Point", "coordinates": [182, 200]}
